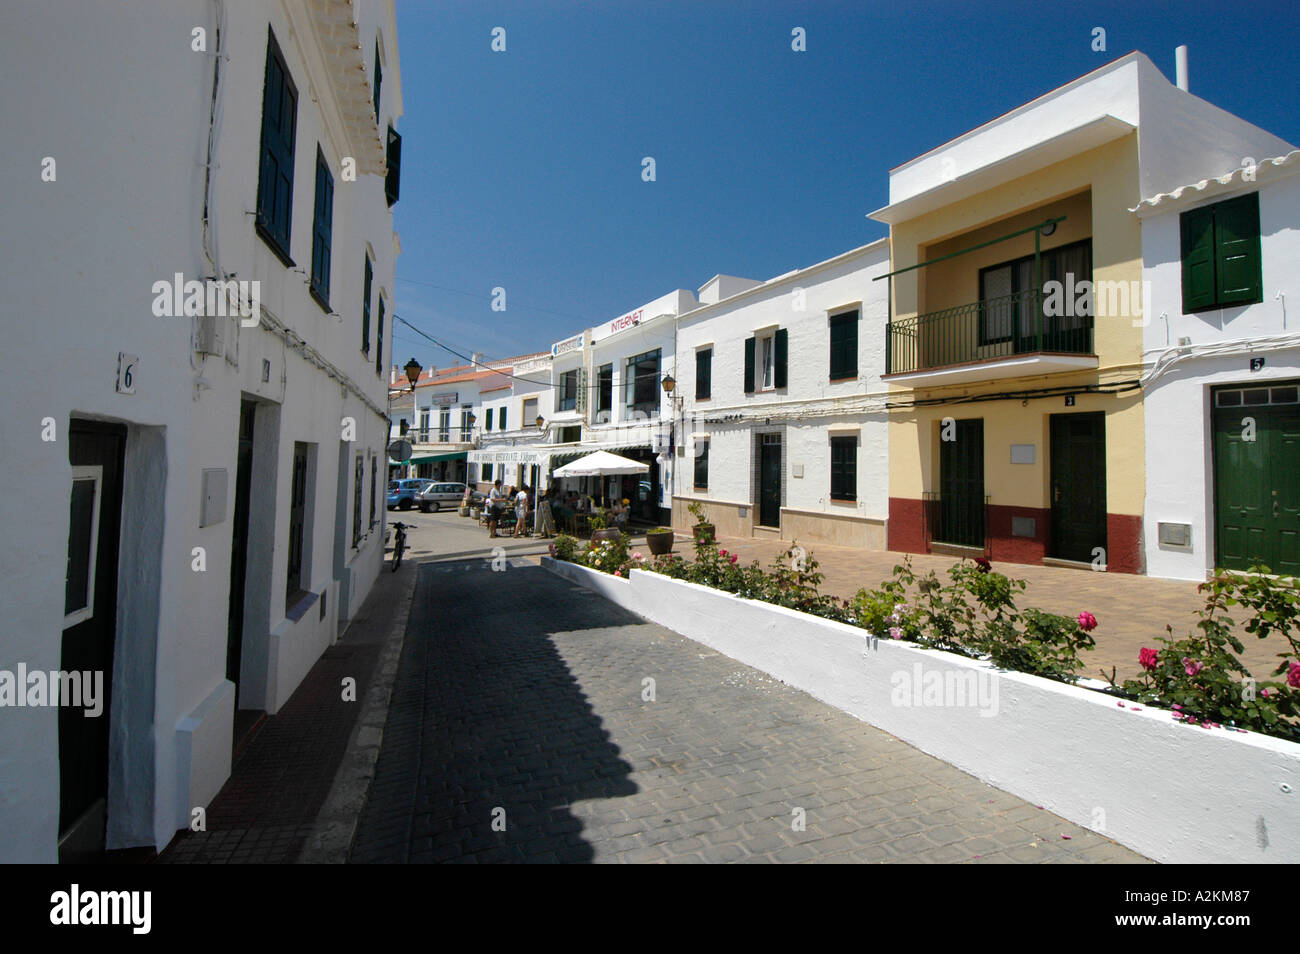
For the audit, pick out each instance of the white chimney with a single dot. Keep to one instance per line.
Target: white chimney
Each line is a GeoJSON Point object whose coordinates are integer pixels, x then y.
{"type": "Point", "coordinates": [1180, 68]}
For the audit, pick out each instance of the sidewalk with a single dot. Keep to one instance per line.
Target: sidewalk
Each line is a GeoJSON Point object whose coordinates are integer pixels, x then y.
{"type": "Point", "coordinates": [286, 799]}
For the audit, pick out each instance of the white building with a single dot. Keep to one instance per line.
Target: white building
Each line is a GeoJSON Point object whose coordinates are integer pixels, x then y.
{"type": "Point", "coordinates": [212, 484]}
{"type": "Point", "coordinates": [781, 385]}
{"type": "Point", "coordinates": [1222, 379]}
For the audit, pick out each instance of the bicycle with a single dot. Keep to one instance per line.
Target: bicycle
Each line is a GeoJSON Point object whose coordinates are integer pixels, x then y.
{"type": "Point", "coordinates": [399, 544]}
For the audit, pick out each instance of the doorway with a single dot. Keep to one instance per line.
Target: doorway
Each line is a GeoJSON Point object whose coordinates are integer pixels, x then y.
{"type": "Point", "coordinates": [960, 512]}
{"type": "Point", "coordinates": [1078, 486]}
{"type": "Point", "coordinates": [1257, 478]}
{"type": "Point", "coordinates": [769, 480]}
{"type": "Point", "coordinates": [97, 453]}
{"type": "Point", "coordinates": [239, 562]}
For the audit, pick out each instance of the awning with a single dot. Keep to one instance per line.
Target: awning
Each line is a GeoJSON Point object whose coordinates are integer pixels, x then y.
{"type": "Point", "coordinates": [602, 464]}
{"type": "Point", "coordinates": [434, 458]}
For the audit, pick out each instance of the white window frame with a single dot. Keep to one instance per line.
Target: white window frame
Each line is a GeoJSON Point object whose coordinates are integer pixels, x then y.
{"type": "Point", "coordinates": [766, 361]}
{"type": "Point", "coordinates": [93, 472]}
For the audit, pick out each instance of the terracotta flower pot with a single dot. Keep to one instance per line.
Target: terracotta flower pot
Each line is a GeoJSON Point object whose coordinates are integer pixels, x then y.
{"type": "Point", "coordinates": [610, 533]}
{"type": "Point", "coordinates": [703, 532]}
{"type": "Point", "coordinates": [660, 543]}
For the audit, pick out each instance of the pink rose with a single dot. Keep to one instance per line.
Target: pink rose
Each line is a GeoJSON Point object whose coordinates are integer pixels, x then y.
{"type": "Point", "coordinates": [618, 572]}
{"type": "Point", "coordinates": [895, 632]}
{"type": "Point", "coordinates": [734, 558]}
{"type": "Point", "coordinates": [1293, 676]}
{"type": "Point", "coordinates": [1148, 658]}
{"type": "Point", "coordinates": [1087, 622]}
{"type": "Point", "coordinates": [1191, 666]}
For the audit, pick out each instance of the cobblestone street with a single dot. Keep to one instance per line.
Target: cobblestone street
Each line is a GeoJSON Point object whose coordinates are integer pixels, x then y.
{"type": "Point", "coordinates": [521, 728]}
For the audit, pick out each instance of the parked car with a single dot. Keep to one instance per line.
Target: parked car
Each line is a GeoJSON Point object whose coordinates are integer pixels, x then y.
{"type": "Point", "coordinates": [403, 497]}
{"type": "Point", "coordinates": [439, 495]}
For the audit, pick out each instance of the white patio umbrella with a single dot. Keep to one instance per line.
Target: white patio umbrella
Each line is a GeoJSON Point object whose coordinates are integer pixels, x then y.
{"type": "Point", "coordinates": [601, 464]}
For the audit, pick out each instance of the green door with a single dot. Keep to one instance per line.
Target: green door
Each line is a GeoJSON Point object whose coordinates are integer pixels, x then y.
{"type": "Point", "coordinates": [1257, 479]}
{"type": "Point", "coordinates": [1078, 486]}
{"type": "Point", "coordinates": [960, 512]}
{"type": "Point", "coordinates": [769, 480]}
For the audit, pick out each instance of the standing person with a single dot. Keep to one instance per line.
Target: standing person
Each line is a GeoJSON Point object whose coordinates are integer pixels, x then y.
{"type": "Point", "coordinates": [545, 519]}
{"type": "Point", "coordinates": [495, 504]}
{"type": "Point", "coordinates": [521, 513]}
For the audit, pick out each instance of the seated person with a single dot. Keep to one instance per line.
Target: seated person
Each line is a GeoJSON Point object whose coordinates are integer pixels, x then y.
{"type": "Point", "coordinates": [618, 514]}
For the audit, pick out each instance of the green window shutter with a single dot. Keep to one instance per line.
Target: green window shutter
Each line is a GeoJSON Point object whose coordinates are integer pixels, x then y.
{"type": "Point", "coordinates": [322, 230]}
{"type": "Point", "coordinates": [501, 420]}
{"type": "Point", "coordinates": [844, 468]}
{"type": "Point", "coordinates": [1197, 228]}
{"type": "Point", "coordinates": [379, 339]}
{"type": "Point", "coordinates": [1237, 267]}
{"type": "Point", "coordinates": [779, 378]}
{"type": "Point", "coordinates": [749, 365]}
{"type": "Point", "coordinates": [844, 346]}
{"type": "Point", "coordinates": [379, 80]}
{"type": "Point", "coordinates": [365, 306]}
{"type": "Point", "coordinates": [393, 177]}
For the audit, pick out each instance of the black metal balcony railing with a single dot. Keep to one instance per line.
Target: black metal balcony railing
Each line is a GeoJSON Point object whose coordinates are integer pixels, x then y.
{"type": "Point", "coordinates": [993, 328]}
{"type": "Point", "coordinates": [958, 519]}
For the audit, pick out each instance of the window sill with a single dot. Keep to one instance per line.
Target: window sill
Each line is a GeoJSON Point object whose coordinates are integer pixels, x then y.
{"type": "Point", "coordinates": [851, 500]}
{"type": "Point", "coordinates": [842, 378]}
{"type": "Point", "coordinates": [320, 299]}
{"type": "Point", "coordinates": [274, 244]}
{"type": "Point", "coordinates": [297, 603]}
{"type": "Point", "coordinates": [704, 397]}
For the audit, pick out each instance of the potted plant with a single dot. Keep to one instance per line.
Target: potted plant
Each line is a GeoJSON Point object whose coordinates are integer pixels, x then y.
{"type": "Point", "coordinates": [600, 530]}
{"type": "Point", "coordinates": [660, 540]}
{"type": "Point", "coordinates": [703, 530]}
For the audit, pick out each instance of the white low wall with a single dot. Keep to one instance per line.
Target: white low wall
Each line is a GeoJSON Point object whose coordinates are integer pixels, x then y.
{"type": "Point", "coordinates": [1173, 792]}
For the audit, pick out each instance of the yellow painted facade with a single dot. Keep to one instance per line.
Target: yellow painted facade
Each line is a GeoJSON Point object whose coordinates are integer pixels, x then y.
{"type": "Point", "coordinates": [1094, 191]}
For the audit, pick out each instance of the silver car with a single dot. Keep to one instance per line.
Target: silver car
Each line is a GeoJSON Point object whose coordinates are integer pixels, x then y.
{"type": "Point", "coordinates": [439, 495]}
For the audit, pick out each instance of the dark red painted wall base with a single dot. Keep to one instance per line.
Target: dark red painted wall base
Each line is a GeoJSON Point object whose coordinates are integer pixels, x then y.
{"type": "Point", "coordinates": [906, 525]}
{"type": "Point", "coordinates": [1124, 543]}
{"type": "Point", "coordinates": [1124, 534]}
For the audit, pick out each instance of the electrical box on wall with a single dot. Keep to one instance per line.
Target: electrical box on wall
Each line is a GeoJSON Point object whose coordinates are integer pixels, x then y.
{"type": "Point", "coordinates": [212, 509]}
{"type": "Point", "coordinates": [210, 334]}
{"type": "Point", "coordinates": [1176, 536]}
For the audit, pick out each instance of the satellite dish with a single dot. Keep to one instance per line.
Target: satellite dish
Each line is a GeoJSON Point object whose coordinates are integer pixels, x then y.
{"type": "Point", "coordinates": [400, 450]}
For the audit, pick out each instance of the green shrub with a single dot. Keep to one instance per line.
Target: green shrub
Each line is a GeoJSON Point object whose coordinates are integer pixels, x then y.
{"type": "Point", "coordinates": [565, 547]}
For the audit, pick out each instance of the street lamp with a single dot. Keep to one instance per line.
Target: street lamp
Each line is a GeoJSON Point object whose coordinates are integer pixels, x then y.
{"type": "Point", "coordinates": [540, 421]}
{"type": "Point", "coordinates": [413, 370]}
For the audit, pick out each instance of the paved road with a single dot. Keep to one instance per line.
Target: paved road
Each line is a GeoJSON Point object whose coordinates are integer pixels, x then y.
{"type": "Point", "coordinates": [520, 729]}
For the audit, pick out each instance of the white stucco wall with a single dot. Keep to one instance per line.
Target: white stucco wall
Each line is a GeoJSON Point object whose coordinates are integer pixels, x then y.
{"type": "Point", "coordinates": [123, 213]}
{"type": "Point", "coordinates": [812, 405]}
{"type": "Point", "coordinates": [1179, 452]}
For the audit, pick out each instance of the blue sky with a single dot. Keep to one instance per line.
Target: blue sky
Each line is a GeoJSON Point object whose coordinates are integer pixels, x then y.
{"type": "Point", "coordinates": [522, 169]}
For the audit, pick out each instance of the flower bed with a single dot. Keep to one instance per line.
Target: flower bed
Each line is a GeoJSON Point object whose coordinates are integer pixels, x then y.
{"type": "Point", "coordinates": [1197, 679]}
{"type": "Point", "coordinates": [1129, 771]}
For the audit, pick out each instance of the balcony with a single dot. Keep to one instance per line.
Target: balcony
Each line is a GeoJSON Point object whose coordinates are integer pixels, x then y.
{"type": "Point", "coordinates": [1001, 337]}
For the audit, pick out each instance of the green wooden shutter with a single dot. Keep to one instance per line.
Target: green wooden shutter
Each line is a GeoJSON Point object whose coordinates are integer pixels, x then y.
{"type": "Point", "coordinates": [322, 229]}
{"type": "Point", "coordinates": [781, 349]}
{"type": "Point", "coordinates": [365, 307]}
{"type": "Point", "coordinates": [379, 339]}
{"type": "Point", "coordinates": [393, 178]}
{"type": "Point", "coordinates": [1237, 268]}
{"type": "Point", "coordinates": [749, 365]}
{"type": "Point", "coordinates": [1198, 259]}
